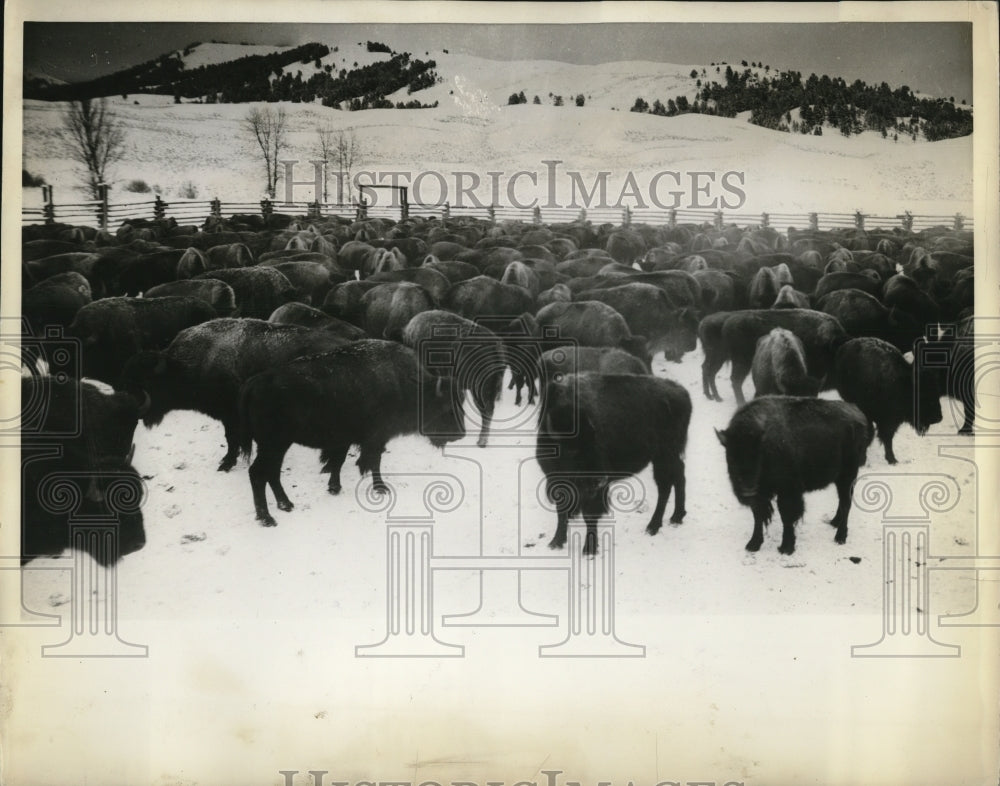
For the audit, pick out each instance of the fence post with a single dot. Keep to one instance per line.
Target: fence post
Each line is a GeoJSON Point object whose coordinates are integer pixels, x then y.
{"type": "Point", "coordinates": [627, 216]}
{"type": "Point", "coordinates": [718, 220]}
{"type": "Point", "coordinates": [159, 208]}
{"type": "Point", "coordinates": [216, 207]}
{"type": "Point", "coordinates": [814, 221]}
{"type": "Point", "coordinates": [765, 220]}
{"type": "Point", "coordinates": [446, 212]}
{"type": "Point", "coordinates": [536, 215]}
{"type": "Point", "coordinates": [583, 215]}
{"type": "Point", "coordinates": [312, 211]}
{"type": "Point", "coordinates": [907, 220]}
{"type": "Point", "coordinates": [102, 210]}
{"type": "Point", "coordinates": [49, 210]}
{"type": "Point", "coordinates": [672, 218]}
{"type": "Point", "coordinates": [404, 211]}
{"type": "Point", "coordinates": [859, 220]}
{"type": "Point", "coordinates": [491, 214]}
{"type": "Point", "coordinates": [266, 208]}
{"type": "Point", "coordinates": [959, 222]}
{"type": "Point", "coordinates": [362, 212]}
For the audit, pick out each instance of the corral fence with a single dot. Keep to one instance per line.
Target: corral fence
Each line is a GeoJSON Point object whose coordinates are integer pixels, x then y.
{"type": "Point", "coordinates": [104, 214]}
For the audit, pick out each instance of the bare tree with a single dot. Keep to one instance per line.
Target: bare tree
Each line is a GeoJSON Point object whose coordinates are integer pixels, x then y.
{"type": "Point", "coordinates": [268, 127]}
{"type": "Point", "coordinates": [95, 138]}
{"type": "Point", "coordinates": [342, 150]}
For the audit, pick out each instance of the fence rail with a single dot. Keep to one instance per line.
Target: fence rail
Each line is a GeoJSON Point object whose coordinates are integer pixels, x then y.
{"type": "Point", "coordinates": [102, 213]}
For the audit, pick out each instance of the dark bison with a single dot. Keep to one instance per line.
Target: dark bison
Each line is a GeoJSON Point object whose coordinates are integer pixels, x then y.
{"type": "Point", "coordinates": [388, 308]}
{"type": "Point", "coordinates": [779, 366]}
{"type": "Point", "coordinates": [218, 294]}
{"type": "Point", "coordinates": [766, 283]}
{"type": "Point", "coordinates": [649, 312]}
{"type": "Point", "coordinates": [114, 329]}
{"type": "Point", "coordinates": [483, 296]}
{"type": "Point", "coordinates": [475, 358]}
{"type": "Point", "coordinates": [93, 434]}
{"type": "Point", "coordinates": [557, 363]}
{"type": "Point", "coordinates": [596, 429]}
{"type": "Point", "coordinates": [784, 446]}
{"type": "Point", "coordinates": [55, 301]}
{"type": "Point", "coordinates": [365, 394]}
{"type": "Point", "coordinates": [733, 336]}
{"type": "Point", "coordinates": [861, 315]}
{"type": "Point", "coordinates": [307, 316]}
{"type": "Point", "coordinates": [590, 324]}
{"type": "Point", "coordinates": [259, 290]}
{"type": "Point", "coordinates": [790, 297]}
{"type": "Point", "coordinates": [875, 376]}
{"type": "Point", "coordinates": [204, 367]}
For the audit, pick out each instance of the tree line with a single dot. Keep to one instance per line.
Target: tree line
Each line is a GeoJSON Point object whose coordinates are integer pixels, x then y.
{"type": "Point", "coordinates": [267, 77]}
{"type": "Point", "coordinates": [849, 108]}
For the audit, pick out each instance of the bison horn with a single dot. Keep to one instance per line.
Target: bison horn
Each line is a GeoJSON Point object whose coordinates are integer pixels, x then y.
{"type": "Point", "coordinates": [147, 402]}
{"type": "Point", "coordinates": [130, 454]}
{"type": "Point", "coordinates": [722, 436]}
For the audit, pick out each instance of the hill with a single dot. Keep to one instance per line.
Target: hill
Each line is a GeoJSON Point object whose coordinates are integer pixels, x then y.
{"type": "Point", "coordinates": [205, 147]}
{"type": "Point", "coordinates": [372, 75]}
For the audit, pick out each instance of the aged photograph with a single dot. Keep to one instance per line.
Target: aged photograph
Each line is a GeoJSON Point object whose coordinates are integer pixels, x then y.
{"type": "Point", "coordinates": [452, 393]}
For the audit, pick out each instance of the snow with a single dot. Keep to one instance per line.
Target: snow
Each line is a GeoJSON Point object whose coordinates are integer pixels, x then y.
{"type": "Point", "coordinates": [471, 130]}
{"type": "Point", "coordinates": [254, 629]}
{"type": "Point", "coordinates": [747, 673]}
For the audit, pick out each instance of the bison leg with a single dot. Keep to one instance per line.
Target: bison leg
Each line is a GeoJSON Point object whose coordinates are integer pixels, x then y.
{"type": "Point", "coordinates": [232, 447]}
{"type": "Point", "coordinates": [486, 416]}
{"type": "Point", "coordinates": [559, 539]}
{"type": "Point", "coordinates": [886, 431]}
{"type": "Point", "coordinates": [843, 508]}
{"type": "Point", "coordinates": [668, 475]}
{"type": "Point", "coordinates": [263, 471]}
{"type": "Point", "coordinates": [590, 541]}
{"type": "Point", "coordinates": [370, 460]}
{"type": "Point", "coordinates": [680, 491]}
{"type": "Point", "coordinates": [791, 507]}
{"type": "Point", "coordinates": [969, 414]}
{"type": "Point", "coordinates": [740, 372]}
{"type": "Point", "coordinates": [762, 512]}
{"type": "Point", "coordinates": [335, 456]}
{"type": "Point", "coordinates": [709, 368]}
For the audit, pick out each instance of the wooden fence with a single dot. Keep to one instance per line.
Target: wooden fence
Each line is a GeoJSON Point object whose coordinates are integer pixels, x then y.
{"type": "Point", "coordinates": [104, 214]}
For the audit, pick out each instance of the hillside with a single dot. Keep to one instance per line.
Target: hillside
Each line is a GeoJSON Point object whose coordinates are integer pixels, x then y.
{"type": "Point", "coordinates": [171, 146]}
{"type": "Point", "coordinates": [373, 75]}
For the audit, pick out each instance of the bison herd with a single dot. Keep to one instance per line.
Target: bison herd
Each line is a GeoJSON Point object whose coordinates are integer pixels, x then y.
{"type": "Point", "coordinates": [333, 333]}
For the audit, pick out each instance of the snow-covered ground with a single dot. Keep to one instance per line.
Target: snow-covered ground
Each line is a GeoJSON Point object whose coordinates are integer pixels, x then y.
{"type": "Point", "coordinates": [747, 674]}
{"type": "Point", "coordinates": [252, 631]}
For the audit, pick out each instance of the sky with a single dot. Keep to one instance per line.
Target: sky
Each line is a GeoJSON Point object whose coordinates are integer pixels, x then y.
{"type": "Point", "coordinates": [934, 58]}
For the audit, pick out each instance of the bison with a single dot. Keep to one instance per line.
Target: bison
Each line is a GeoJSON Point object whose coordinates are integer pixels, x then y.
{"type": "Point", "coordinates": [875, 376]}
{"type": "Point", "coordinates": [733, 336]}
{"type": "Point", "coordinates": [93, 434]}
{"type": "Point", "coordinates": [475, 355]}
{"type": "Point", "coordinates": [204, 367]}
{"type": "Point", "coordinates": [114, 329]}
{"type": "Point", "coordinates": [596, 429]}
{"type": "Point", "coordinates": [784, 446]}
{"type": "Point", "coordinates": [365, 394]}
{"type": "Point", "coordinates": [779, 366]}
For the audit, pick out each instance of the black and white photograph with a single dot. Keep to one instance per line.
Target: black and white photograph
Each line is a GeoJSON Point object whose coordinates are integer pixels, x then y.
{"type": "Point", "coordinates": [482, 394]}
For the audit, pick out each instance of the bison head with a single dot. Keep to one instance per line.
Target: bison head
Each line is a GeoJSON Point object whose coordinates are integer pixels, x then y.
{"type": "Point", "coordinates": [441, 415]}
{"type": "Point", "coordinates": [743, 463]}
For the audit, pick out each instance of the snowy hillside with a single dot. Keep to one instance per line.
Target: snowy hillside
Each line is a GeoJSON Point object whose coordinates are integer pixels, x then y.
{"type": "Point", "coordinates": [474, 130]}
